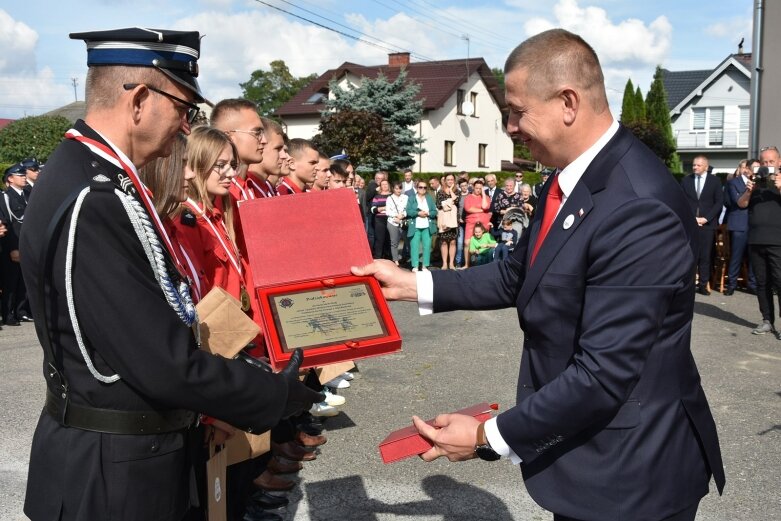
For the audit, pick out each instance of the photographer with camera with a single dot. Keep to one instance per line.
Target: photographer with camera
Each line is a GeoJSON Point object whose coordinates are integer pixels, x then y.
{"type": "Point", "coordinates": [763, 200]}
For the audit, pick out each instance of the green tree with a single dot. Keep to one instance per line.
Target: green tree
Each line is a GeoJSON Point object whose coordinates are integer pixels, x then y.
{"type": "Point", "coordinates": [499, 75]}
{"type": "Point", "coordinates": [34, 136]}
{"type": "Point", "coordinates": [658, 113]}
{"type": "Point", "coordinates": [639, 105]}
{"type": "Point", "coordinates": [652, 136]}
{"type": "Point", "coordinates": [395, 102]}
{"type": "Point", "coordinates": [273, 88]}
{"type": "Point", "coordinates": [361, 134]}
{"type": "Point", "coordinates": [628, 113]}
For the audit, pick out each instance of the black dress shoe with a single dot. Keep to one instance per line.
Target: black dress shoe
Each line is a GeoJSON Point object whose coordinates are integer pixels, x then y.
{"type": "Point", "coordinates": [268, 501]}
{"type": "Point", "coordinates": [25, 318]}
{"type": "Point", "coordinates": [703, 291]}
{"type": "Point", "coordinates": [728, 292]}
{"type": "Point", "coordinates": [255, 513]}
{"type": "Point", "coordinates": [12, 322]}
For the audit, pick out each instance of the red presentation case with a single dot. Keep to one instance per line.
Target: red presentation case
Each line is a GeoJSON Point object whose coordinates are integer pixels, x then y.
{"type": "Point", "coordinates": [407, 442]}
{"type": "Point", "coordinates": [304, 243]}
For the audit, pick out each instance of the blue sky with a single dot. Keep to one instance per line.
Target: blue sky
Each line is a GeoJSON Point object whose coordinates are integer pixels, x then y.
{"type": "Point", "coordinates": [37, 60]}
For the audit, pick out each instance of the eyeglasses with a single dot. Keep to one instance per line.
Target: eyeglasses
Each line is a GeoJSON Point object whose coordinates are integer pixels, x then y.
{"type": "Point", "coordinates": [257, 134]}
{"type": "Point", "coordinates": [422, 187]}
{"type": "Point", "coordinates": [763, 149]}
{"type": "Point", "coordinates": [519, 175]}
{"type": "Point", "coordinates": [223, 168]}
{"type": "Point", "coordinates": [191, 108]}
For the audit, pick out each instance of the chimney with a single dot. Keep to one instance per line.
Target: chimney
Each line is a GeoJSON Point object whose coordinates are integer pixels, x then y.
{"type": "Point", "coordinates": [398, 59]}
{"type": "Point", "coordinates": [740, 46]}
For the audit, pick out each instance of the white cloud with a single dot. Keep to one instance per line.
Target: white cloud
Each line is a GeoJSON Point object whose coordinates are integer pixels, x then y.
{"type": "Point", "coordinates": [629, 42]}
{"type": "Point", "coordinates": [17, 45]}
{"type": "Point", "coordinates": [24, 90]}
{"type": "Point", "coordinates": [235, 45]}
{"type": "Point", "coordinates": [626, 49]}
{"type": "Point", "coordinates": [734, 28]}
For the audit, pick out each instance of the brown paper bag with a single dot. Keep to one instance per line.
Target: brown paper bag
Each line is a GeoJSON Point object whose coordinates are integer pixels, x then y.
{"type": "Point", "coordinates": [225, 328]}
{"type": "Point", "coordinates": [331, 371]}
{"type": "Point", "coordinates": [215, 482]}
{"type": "Point", "coordinates": [243, 446]}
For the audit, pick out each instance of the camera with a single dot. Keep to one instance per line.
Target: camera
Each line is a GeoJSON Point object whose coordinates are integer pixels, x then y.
{"type": "Point", "coordinates": [762, 172]}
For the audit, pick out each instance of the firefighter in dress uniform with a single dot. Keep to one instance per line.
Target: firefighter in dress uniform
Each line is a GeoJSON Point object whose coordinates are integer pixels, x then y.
{"type": "Point", "coordinates": [122, 366]}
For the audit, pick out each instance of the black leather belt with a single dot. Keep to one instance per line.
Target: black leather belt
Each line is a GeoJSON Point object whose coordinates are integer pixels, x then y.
{"type": "Point", "coordinates": [116, 422]}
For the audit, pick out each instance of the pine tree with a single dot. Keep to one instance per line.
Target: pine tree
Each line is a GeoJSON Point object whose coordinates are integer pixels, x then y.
{"type": "Point", "coordinates": [628, 113]}
{"type": "Point", "coordinates": [395, 102]}
{"type": "Point", "coordinates": [658, 113]}
{"type": "Point", "coordinates": [639, 105]}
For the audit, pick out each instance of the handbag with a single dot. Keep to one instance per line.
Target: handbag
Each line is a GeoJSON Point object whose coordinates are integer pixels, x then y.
{"type": "Point", "coordinates": [216, 470]}
{"type": "Point", "coordinates": [446, 217]}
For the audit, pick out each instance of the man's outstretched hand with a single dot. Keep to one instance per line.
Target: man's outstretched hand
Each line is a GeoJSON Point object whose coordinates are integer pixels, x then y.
{"type": "Point", "coordinates": [397, 284]}
{"type": "Point", "coordinates": [453, 435]}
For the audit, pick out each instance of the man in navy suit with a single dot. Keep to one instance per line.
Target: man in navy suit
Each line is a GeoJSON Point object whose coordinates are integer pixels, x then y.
{"type": "Point", "coordinates": [706, 198]}
{"type": "Point", "coordinates": [737, 224]}
{"type": "Point", "coordinates": [611, 421]}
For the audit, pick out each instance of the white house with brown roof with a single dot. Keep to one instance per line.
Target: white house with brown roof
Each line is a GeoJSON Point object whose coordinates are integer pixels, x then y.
{"type": "Point", "coordinates": [709, 110]}
{"type": "Point", "coordinates": [455, 139]}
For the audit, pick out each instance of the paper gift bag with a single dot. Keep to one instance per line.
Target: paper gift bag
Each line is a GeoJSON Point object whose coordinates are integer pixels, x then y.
{"type": "Point", "coordinates": [225, 328]}
{"type": "Point", "coordinates": [243, 446]}
{"type": "Point", "coordinates": [331, 371]}
{"type": "Point", "coordinates": [215, 482]}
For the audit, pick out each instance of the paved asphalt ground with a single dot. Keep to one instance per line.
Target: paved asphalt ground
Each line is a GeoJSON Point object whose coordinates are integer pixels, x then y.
{"type": "Point", "coordinates": [451, 361]}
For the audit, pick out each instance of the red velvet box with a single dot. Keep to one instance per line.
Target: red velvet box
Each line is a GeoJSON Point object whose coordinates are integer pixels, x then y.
{"type": "Point", "coordinates": [300, 249]}
{"type": "Point", "coordinates": [407, 442]}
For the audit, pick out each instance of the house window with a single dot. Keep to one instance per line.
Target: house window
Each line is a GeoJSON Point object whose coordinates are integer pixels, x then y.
{"type": "Point", "coordinates": [709, 121]}
{"type": "Point", "coordinates": [716, 125]}
{"type": "Point", "coordinates": [698, 118]}
{"type": "Point", "coordinates": [317, 97]}
{"type": "Point", "coordinates": [481, 149]}
{"type": "Point", "coordinates": [473, 99]}
{"type": "Point", "coordinates": [460, 102]}
{"type": "Point", "coordinates": [449, 153]}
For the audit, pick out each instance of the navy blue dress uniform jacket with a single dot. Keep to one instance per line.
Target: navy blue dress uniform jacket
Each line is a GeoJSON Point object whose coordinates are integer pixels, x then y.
{"type": "Point", "coordinates": [737, 217]}
{"type": "Point", "coordinates": [611, 420]}
{"type": "Point", "coordinates": [129, 329]}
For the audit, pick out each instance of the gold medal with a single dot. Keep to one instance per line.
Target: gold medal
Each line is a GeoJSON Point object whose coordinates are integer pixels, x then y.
{"type": "Point", "coordinates": [244, 299]}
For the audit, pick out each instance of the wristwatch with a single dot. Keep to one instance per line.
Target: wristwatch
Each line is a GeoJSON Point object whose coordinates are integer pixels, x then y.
{"type": "Point", "coordinates": [483, 449]}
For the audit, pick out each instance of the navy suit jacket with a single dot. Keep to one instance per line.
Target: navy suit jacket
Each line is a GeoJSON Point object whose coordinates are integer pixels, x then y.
{"type": "Point", "coordinates": [737, 217]}
{"type": "Point", "coordinates": [710, 201]}
{"type": "Point", "coordinates": [611, 420]}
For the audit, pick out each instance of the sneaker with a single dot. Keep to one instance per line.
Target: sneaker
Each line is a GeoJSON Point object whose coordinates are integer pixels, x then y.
{"type": "Point", "coordinates": [347, 375]}
{"type": "Point", "coordinates": [333, 399]}
{"type": "Point", "coordinates": [764, 327]}
{"type": "Point", "coordinates": [415, 268]}
{"type": "Point", "coordinates": [425, 268]}
{"type": "Point", "coordinates": [322, 409]}
{"type": "Point", "coordinates": [338, 383]}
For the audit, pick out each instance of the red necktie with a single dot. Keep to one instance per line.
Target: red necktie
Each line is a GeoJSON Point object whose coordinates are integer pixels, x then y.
{"type": "Point", "coordinates": [552, 203]}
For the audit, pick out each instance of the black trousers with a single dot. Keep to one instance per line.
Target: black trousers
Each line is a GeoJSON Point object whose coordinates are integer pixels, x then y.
{"type": "Point", "coordinates": [705, 238]}
{"type": "Point", "coordinates": [381, 238]}
{"type": "Point", "coordinates": [688, 514]}
{"type": "Point", "coordinates": [766, 262]}
{"type": "Point", "coordinates": [14, 292]}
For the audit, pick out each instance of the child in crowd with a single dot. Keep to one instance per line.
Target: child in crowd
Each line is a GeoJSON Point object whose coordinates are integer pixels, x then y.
{"type": "Point", "coordinates": [508, 238]}
{"type": "Point", "coordinates": [481, 246]}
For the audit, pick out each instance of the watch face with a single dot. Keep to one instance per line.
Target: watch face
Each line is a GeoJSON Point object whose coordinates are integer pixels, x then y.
{"type": "Point", "coordinates": [486, 453]}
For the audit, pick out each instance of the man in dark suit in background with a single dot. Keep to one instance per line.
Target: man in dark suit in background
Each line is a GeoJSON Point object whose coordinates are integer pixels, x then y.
{"type": "Point", "coordinates": [706, 197]}
{"type": "Point", "coordinates": [737, 224]}
{"type": "Point", "coordinates": [611, 421]}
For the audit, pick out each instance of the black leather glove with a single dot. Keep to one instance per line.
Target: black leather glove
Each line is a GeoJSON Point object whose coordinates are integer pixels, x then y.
{"type": "Point", "coordinates": [299, 397]}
